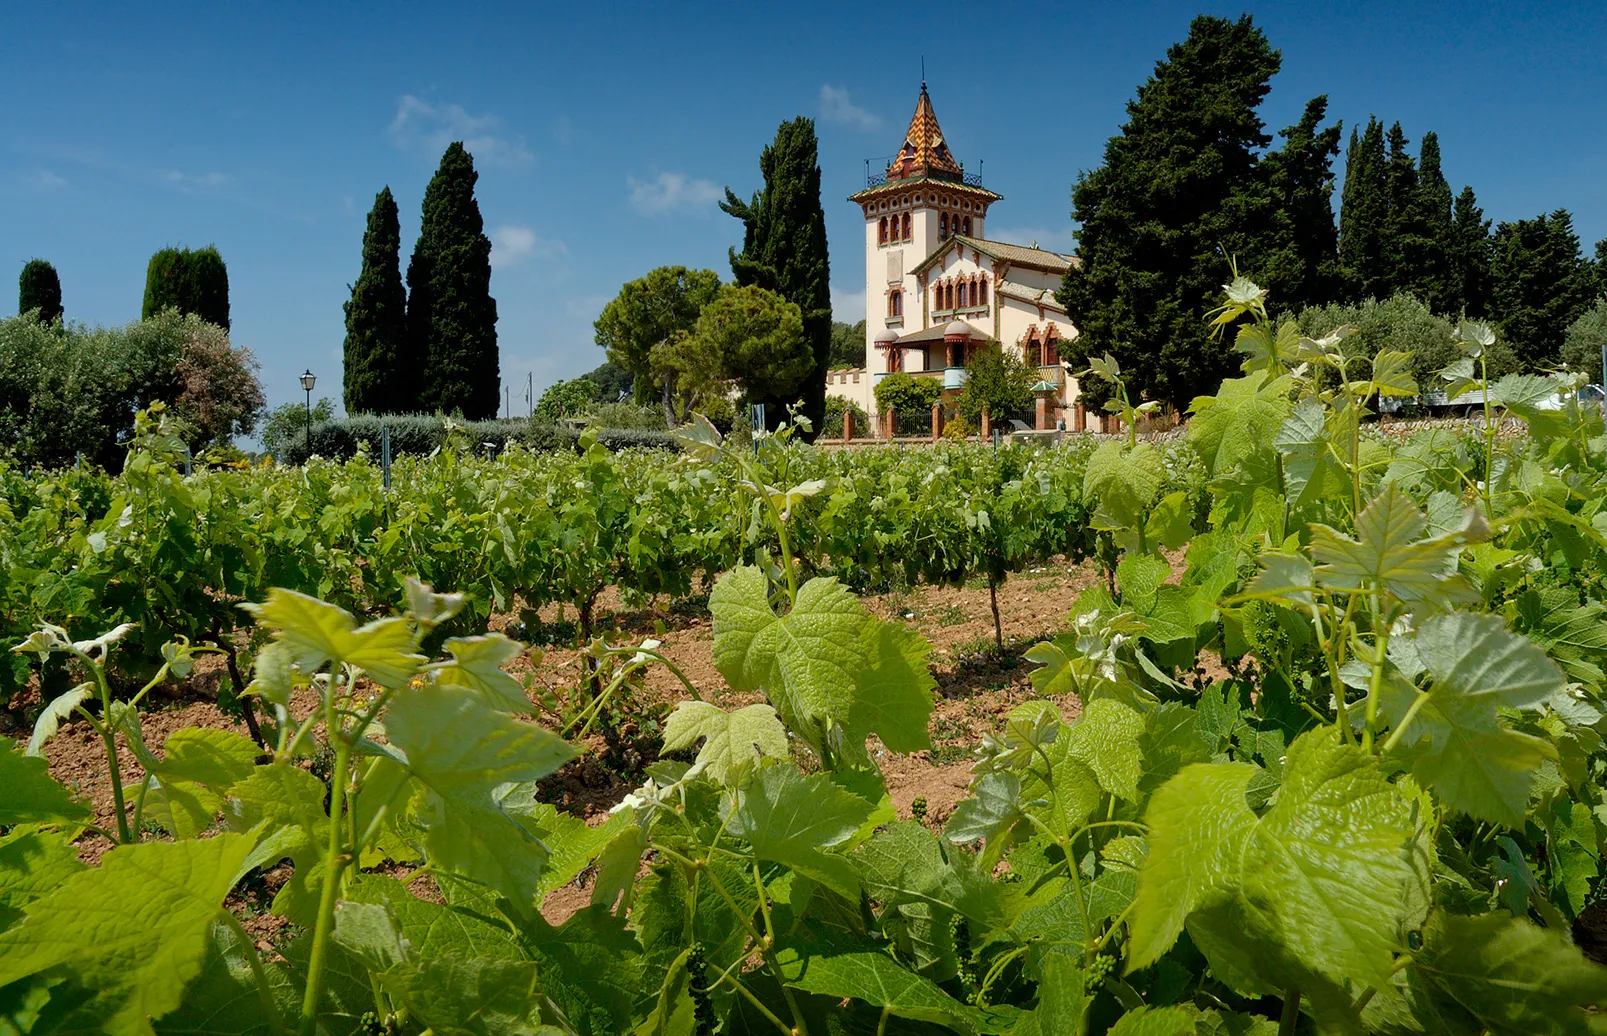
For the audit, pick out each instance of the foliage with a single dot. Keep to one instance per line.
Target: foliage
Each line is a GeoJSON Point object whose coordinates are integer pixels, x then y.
{"type": "Point", "coordinates": [836, 408]}
{"type": "Point", "coordinates": [190, 281]}
{"type": "Point", "coordinates": [1364, 213]}
{"type": "Point", "coordinates": [565, 399]}
{"type": "Point", "coordinates": [1541, 285]}
{"type": "Point", "coordinates": [648, 314]}
{"type": "Point", "coordinates": [625, 414]}
{"type": "Point", "coordinates": [746, 339]}
{"type": "Point", "coordinates": [957, 427]}
{"type": "Point", "coordinates": [451, 316]}
{"type": "Point", "coordinates": [614, 383]}
{"type": "Point", "coordinates": [286, 424]}
{"type": "Point", "coordinates": [997, 381]}
{"type": "Point", "coordinates": [904, 394]}
{"type": "Point", "coordinates": [1193, 128]}
{"type": "Point", "coordinates": [784, 251]}
{"type": "Point", "coordinates": [1584, 339]}
{"type": "Point", "coordinates": [847, 345]}
{"type": "Point", "coordinates": [39, 288]}
{"type": "Point", "coordinates": [219, 394]}
{"type": "Point", "coordinates": [376, 319]}
{"type": "Point", "coordinates": [1470, 254]}
{"type": "Point", "coordinates": [1300, 261]}
{"type": "Point", "coordinates": [1403, 323]}
{"type": "Point", "coordinates": [421, 434]}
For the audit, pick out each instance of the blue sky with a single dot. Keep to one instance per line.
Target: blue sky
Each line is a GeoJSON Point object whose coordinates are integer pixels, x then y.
{"type": "Point", "coordinates": [604, 132]}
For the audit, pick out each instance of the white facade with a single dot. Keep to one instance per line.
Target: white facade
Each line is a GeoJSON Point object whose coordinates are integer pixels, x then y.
{"type": "Point", "coordinates": [928, 263]}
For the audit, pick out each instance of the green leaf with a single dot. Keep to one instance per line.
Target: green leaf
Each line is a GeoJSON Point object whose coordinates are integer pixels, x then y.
{"type": "Point", "coordinates": [1388, 553]}
{"type": "Point", "coordinates": [1122, 483]}
{"type": "Point", "coordinates": [1106, 739]}
{"type": "Point", "coordinates": [50, 717]}
{"type": "Point", "coordinates": [316, 632]}
{"type": "Point", "coordinates": [370, 932]}
{"type": "Point", "coordinates": [674, 1014]}
{"type": "Point", "coordinates": [791, 818]}
{"type": "Point", "coordinates": [288, 803]}
{"type": "Point", "coordinates": [992, 809]}
{"type": "Point", "coordinates": [893, 693]}
{"type": "Point", "coordinates": [1242, 418]}
{"type": "Point", "coordinates": [477, 664]}
{"type": "Point", "coordinates": [1474, 666]}
{"type": "Point", "coordinates": [32, 865]}
{"type": "Point", "coordinates": [1140, 575]}
{"type": "Point", "coordinates": [188, 784]}
{"type": "Point", "coordinates": [468, 997]}
{"type": "Point", "coordinates": [134, 930]}
{"type": "Point", "coordinates": [1321, 877]}
{"type": "Point", "coordinates": [733, 742]}
{"type": "Point", "coordinates": [1392, 373]}
{"type": "Point", "coordinates": [1155, 1021]}
{"type": "Point", "coordinates": [31, 795]}
{"type": "Point", "coordinates": [880, 981]}
{"type": "Point", "coordinates": [572, 844]}
{"type": "Point", "coordinates": [1311, 471]}
{"type": "Point", "coordinates": [463, 750]}
{"type": "Point", "coordinates": [1285, 578]}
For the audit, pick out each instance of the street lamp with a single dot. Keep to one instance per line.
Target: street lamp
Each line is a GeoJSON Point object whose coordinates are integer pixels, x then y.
{"type": "Point", "coordinates": [308, 380]}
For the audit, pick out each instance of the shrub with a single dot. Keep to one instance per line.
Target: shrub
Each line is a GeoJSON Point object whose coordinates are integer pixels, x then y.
{"type": "Point", "coordinates": [998, 381]}
{"type": "Point", "coordinates": [905, 395]}
{"type": "Point", "coordinates": [566, 399]}
{"type": "Point", "coordinates": [836, 407]}
{"type": "Point", "coordinates": [419, 434]}
{"type": "Point", "coordinates": [957, 428]}
{"type": "Point", "coordinates": [1401, 323]}
{"type": "Point", "coordinates": [1582, 345]}
{"type": "Point", "coordinates": [626, 414]}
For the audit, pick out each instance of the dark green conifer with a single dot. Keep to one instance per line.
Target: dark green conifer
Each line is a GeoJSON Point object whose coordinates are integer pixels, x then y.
{"type": "Point", "coordinates": [191, 281]}
{"type": "Point", "coordinates": [376, 320]}
{"type": "Point", "coordinates": [784, 250]}
{"type": "Point", "coordinates": [1541, 284]}
{"type": "Point", "coordinates": [1301, 266]}
{"type": "Point", "coordinates": [1470, 254]}
{"type": "Point", "coordinates": [39, 288]}
{"type": "Point", "coordinates": [1432, 277]}
{"type": "Point", "coordinates": [1364, 213]}
{"type": "Point", "coordinates": [1177, 194]}
{"type": "Point", "coordinates": [451, 316]}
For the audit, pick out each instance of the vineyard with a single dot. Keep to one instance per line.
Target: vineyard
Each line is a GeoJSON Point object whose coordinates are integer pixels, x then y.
{"type": "Point", "coordinates": [1383, 813]}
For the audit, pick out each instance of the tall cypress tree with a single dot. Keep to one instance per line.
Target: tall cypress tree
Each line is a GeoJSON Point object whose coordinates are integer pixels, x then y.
{"type": "Point", "coordinates": [1601, 266]}
{"type": "Point", "coordinates": [376, 319]}
{"type": "Point", "coordinates": [1178, 192]}
{"type": "Point", "coordinates": [1406, 233]}
{"type": "Point", "coordinates": [1364, 213]}
{"type": "Point", "coordinates": [1301, 266]}
{"type": "Point", "coordinates": [1433, 278]}
{"type": "Point", "coordinates": [1541, 285]}
{"type": "Point", "coordinates": [39, 288]}
{"type": "Point", "coordinates": [191, 281]}
{"type": "Point", "coordinates": [451, 316]}
{"type": "Point", "coordinates": [784, 250]}
{"type": "Point", "coordinates": [1470, 254]}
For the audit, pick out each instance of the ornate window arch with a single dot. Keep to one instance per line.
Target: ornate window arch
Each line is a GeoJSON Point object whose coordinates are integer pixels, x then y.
{"type": "Point", "coordinates": [968, 226]}
{"type": "Point", "coordinates": [943, 225]}
{"type": "Point", "coordinates": [881, 231]}
{"type": "Point", "coordinates": [906, 227]}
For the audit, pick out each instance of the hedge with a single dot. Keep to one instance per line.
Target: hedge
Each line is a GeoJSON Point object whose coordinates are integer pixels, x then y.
{"type": "Point", "coordinates": [420, 434]}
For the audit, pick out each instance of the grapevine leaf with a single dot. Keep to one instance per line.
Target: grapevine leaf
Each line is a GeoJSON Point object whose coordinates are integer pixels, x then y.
{"type": "Point", "coordinates": [674, 1014]}
{"type": "Point", "coordinates": [469, 997]}
{"type": "Point", "coordinates": [1122, 482]}
{"type": "Point", "coordinates": [790, 818]}
{"type": "Point", "coordinates": [1392, 374]}
{"type": "Point", "coordinates": [50, 717]}
{"type": "Point", "coordinates": [31, 795]}
{"type": "Point", "coordinates": [1285, 578]}
{"type": "Point", "coordinates": [32, 864]}
{"type": "Point", "coordinates": [316, 632]}
{"type": "Point", "coordinates": [370, 932]}
{"type": "Point", "coordinates": [571, 843]}
{"type": "Point", "coordinates": [1240, 419]}
{"type": "Point", "coordinates": [1105, 737]}
{"type": "Point", "coordinates": [1474, 666]}
{"type": "Point", "coordinates": [288, 803]}
{"type": "Point", "coordinates": [1062, 1000]}
{"type": "Point", "coordinates": [880, 981]}
{"type": "Point", "coordinates": [594, 969]}
{"type": "Point", "coordinates": [1155, 1021]}
{"type": "Point", "coordinates": [893, 693]}
{"type": "Point", "coordinates": [992, 809]}
{"type": "Point", "coordinates": [1388, 553]}
{"type": "Point", "coordinates": [135, 930]}
{"type": "Point", "coordinates": [477, 664]}
{"type": "Point", "coordinates": [463, 751]}
{"type": "Point", "coordinates": [1310, 470]}
{"type": "Point", "coordinates": [1140, 575]}
{"type": "Point", "coordinates": [733, 742]}
{"type": "Point", "coordinates": [188, 784]}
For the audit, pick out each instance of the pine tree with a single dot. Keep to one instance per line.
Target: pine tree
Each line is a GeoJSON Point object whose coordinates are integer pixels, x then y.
{"type": "Point", "coordinates": [191, 281]}
{"type": "Point", "coordinates": [1406, 233]}
{"type": "Point", "coordinates": [1601, 267]}
{"type": "Point", "coordinates": [1302, 266]}
{"type": "Point", "coordinates": [1179, 191]}
{"type": "Point", "coordinates": [784, 250]}
{"type": "Point", "coordinates": [39, 288]}
{"type": "Point", "coordinates": [1364, 214]}
{"type": "Point", "coordinates": [1541, 285]}
{"type": "Point", "coordinates": [376, 320]}
{"type": "Point", "coordinates": [1470, 254]}
{"type": "Point", "coordinates": [451, 316]}
{"type": "Point", "coordinates": [1433, 277]}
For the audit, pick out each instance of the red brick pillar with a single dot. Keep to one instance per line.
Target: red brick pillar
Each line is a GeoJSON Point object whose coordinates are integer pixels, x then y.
{"type": "Point", "coordinates": [848, 425]}
{"type": "Point", "coordinates": [987, 426]}
{"type": "Point", "coordinates": [1081, 418]}
{"type": "Point", "coordinates": [1042, 424]}
{"type": "Point", "coordinates": [889, 419]}
{"type": "Point", "coordinates": [937, 421]}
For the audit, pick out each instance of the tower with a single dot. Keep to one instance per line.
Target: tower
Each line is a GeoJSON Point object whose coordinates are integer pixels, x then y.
{"type": "Point", "coordinates": [922, 200]}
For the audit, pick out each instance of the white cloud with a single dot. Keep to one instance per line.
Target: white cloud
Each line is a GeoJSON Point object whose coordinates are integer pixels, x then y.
{"type": "Point", "coordinates": [837, 106]}
{"type": "Point", "coordinates": [672, 192]}
{"type": "Point", "coordinates": [1063, 239]}
{"type": "Point", "coordinates": [848, 307]}
{"type": "Point", "coordinates": [422, 126]}
{"type": "Point", "coordinates": [511, 243]}
{"type": "Point", "coordinates": [44, 180]}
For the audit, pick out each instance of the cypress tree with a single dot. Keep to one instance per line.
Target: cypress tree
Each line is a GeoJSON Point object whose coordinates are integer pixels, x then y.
{"type": "Point", "coordinates": [1601, 266]}
{"type": "Point", "coordinates": [1302, 266]}
{"type": "Point", "coordinates": [1179, 191]}
{"type": "Point", "coordinates": [376, 318]}
{"type": "Point", "coordinates": [784, 251]}
{"type": "Point", "coordinates": [39, 288]}
{"type": "Point", "coordinates": [1364, 213]}
{"type": "Point", "coordinates": [1434, 278]}
{"type": "Point", "coordinates": [451, 316]}
{"type": "Point", "coordinates": [1541, 285]}
{"type": "Point", "coordinates": [1470, 254]}
{"type": "Point", "coordinates": [190, 281]}
{"type": "Point", "coordinates": [1406, 232]}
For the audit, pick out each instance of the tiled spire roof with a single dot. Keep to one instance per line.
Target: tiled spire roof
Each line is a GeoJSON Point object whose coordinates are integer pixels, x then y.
{"type": "Point", "coordinates": [924, 153]}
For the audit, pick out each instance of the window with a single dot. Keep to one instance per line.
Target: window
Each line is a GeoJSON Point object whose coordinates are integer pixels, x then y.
{"type": "Point", "coordinates": [948, 294]}
{"type": "Point", "coordinates": [906, 227]}
{"type": "Point", "coordinates": [895, 304]}
{"type": "Point", "coordinates": [881, 231]}
{"type": "Point", "coordinates": [943, 225]}
{"type": "Point", "coordinates": [983, 286]}
{"type": "Point", "coordinates": [968, 226]}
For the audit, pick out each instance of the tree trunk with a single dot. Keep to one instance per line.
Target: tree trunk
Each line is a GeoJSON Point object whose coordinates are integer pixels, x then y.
{"type": "Point", "coordinates": [993, 600]}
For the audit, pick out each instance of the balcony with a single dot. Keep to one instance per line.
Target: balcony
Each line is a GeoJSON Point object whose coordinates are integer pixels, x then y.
{"type": "Point", "coordinates": [954, 378]}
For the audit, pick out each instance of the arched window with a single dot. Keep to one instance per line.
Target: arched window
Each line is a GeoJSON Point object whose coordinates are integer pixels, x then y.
{"type": "Point", "coordinates": [983, 286]}
{"type": "Point", "coordinates": [943, 225]}
{"type": "Point", "coordinates": [906, 228]}
{"type": "Point", "coordinates": [881, 231]}
{"type": "Point", "coordinates": [895, 360]}
{"type": "Point", "coordinates": [895, 303]}
{"type": "Point", "coordinates": [968, 226]}
{"type": "Point", "coordinates": [949, 292]}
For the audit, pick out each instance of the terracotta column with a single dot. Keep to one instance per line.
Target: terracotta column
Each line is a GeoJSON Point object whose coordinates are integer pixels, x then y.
{"type": "Point", "coordinates": [1042, 424]}
{"type": "Point", "coordinates": [987, 426]}
{"type": "Point", "coordinates": [937, 421]}
{"type": "Point", "coordinates": [889, 419]}
{"type": "Point", "coordinates": [848, 425]}
{"type": "Point", "coordinates": [1081, 418]}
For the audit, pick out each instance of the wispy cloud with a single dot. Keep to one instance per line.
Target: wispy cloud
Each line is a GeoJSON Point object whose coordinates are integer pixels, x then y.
{"type": "Point", "coordinates": [837, 106]}
{"type": "Point", "coordinates": [512, 244]}
{"type": "Point", "coordinates": [1062, 239]}
{"type": "Point", "coordinates": [190, 181]}
{"type": "Point", "coordinates": [44, 180]}
{"type": "Point", "coordinates": [420, 125]}
{"type": "Point", "coordinates": [672, 192]}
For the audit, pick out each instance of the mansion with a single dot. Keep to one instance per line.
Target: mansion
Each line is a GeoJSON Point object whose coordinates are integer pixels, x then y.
{"type": "Point", "coordinates": [937, 289]}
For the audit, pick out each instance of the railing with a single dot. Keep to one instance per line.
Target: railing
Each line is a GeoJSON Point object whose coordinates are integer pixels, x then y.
{"type": "Point", "coordinates": [875, 179]}
{"type": "Point", "coordinates": [973, 179]}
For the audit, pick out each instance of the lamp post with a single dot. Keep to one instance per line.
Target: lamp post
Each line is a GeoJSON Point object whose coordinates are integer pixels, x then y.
{"type": "Point", "coordinates": [308, 380]}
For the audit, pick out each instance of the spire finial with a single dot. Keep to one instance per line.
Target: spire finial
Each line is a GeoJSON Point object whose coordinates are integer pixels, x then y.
{"type": "Point", "coordinates": [923, 73]}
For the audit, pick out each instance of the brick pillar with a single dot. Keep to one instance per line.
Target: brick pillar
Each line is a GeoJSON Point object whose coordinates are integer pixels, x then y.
{"type": "Point", "coordinates": [1042, 424]}
{"type": "Point", "coordinates": [1081, 418]}
{"type": "Point", "coordinates": [987, 426]}
{"type": "Point", "coordinates": [889, 419]}
{"type": "Point", "coordinates": [848, 425]}
{"type": "Point", "coordinates": [937, 421]}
